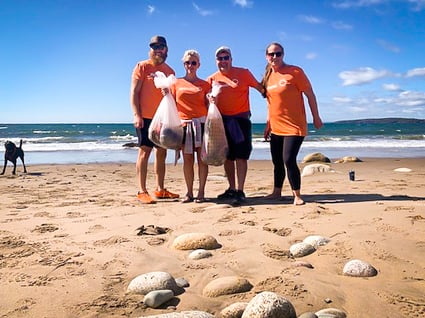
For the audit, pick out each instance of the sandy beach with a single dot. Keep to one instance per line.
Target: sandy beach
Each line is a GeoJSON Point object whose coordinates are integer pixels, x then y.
{"type": "Point", "coordinates": [69, 245]}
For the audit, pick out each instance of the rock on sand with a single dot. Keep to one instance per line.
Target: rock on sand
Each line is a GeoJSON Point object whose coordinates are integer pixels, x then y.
{"type": "Point", "coordinates": [316, 168]}
{"type": "Point", "coordinates": [269, 305]}
{"type": "Point", "coordinates": [226, 286]}
{"type": "Point", "coordinates": [358, 268]}
{"type": "Point", "coordinates": [193, 241]}
{"type": "Point", "coordinates": [148, 282]}
{"type": "Point", "coordinates": [301, 249]}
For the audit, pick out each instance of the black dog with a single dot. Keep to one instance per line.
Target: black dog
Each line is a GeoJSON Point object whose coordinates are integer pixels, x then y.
{"type": "Point", "coordinates": [12, 154]}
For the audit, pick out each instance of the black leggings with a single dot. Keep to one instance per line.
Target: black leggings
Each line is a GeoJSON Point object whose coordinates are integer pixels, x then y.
{"type": "Point", "coordinates": [284, 151]}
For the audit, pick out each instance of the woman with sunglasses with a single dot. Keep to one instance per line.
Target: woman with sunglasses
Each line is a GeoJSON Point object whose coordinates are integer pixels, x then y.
{"type": "Point", "coordinates": [192, 104]}
{"type": "Point", "coordinates": [286, 126]}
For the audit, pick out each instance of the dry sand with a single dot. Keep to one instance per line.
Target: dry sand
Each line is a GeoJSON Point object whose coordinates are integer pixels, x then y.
{"type": "Point", "coordinates": [69, 245]}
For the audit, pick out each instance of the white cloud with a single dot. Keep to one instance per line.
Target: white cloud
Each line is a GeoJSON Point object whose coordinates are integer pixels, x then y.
{"type": "Point", "coordinates": [416, 5]}
{"type": "Point", "coordinates": [339, 25]}
{"type": "Point", "coordinates": [420, 71]}
{"type": "Point", "coordinates": [244, 3]}
{"type": "Point", "coordinates": [388, 46]}
{"type": "Point", "coordinates": [342, 99]}
{"type": "Point", "coordinates": [391, 87]}
{"type": "Point", "coordinates": [151, 9]}
{"type": "Point", "coordinates": [411, 98]}
{"type": "Point", "coordinates": [347, 4]}
{"type": "Point", "coordinates": [311, 56]}
{"type": "Point", "coordinates": [362, 75]}
{"type": "Point", "coordinates": [310, 19]}
{"type": "Point", "coordinates": [201, 11]}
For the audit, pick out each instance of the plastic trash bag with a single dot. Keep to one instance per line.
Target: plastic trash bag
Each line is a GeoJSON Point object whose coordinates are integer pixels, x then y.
{"type": "Point", "coordinates": [214, 146]}
{"type": "Point", "coordinates": [166, 130]}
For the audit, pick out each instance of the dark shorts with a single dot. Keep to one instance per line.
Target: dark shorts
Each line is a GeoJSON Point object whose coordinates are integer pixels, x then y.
{"type": "Point", "coordinates": [143, 134]}
{"type": "Point", "coordinates": [242, 149]}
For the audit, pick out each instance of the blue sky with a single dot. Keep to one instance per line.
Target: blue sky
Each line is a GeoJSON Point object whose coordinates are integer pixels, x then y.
{"type": "Point", "coordinates": [70, 61]}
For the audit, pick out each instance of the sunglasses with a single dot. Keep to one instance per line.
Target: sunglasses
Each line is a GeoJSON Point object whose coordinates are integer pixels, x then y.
{"type": "Point", "coordinates": [158, 47]}
{"type": "Point", "coordinates": [274, 54]}
{"type": "Point", "coordinates": [193, 63]}
{"type": "Point", "coordinates": [223, 58]}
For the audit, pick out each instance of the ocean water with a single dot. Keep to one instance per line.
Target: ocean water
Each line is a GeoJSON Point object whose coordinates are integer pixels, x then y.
{"type": "Point", "coordinates": [100, 143]}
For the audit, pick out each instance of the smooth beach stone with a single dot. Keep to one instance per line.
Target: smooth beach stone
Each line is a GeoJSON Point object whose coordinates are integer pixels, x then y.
{"type": "Point", "coordinates": [316, 168]}
{"type": "Point", "coordinates": [301, 249]}
{"type": "Point", "coordinates": [316, 156]}
{"type": "Point", "coordinates": [199, 254]}
{"type": "Point", "coordinates": [269, 305]}
{"type": "Point", "coordinates": [348, 159]}
{"type": "Point", "coordinates": [148, 282]}
{"type": "Point", "coordinates": [403, 170]}
{"type": "Point", "coordinates": [358, 268]}
{"type": "Point", "coordinates": [193, 241]}
{"type": "Point", "coordinates": [302, 264]}
{"type": "Point", "coordinates": [331, 313]}
{"type": "Point", "coordinates": [156, 298]}
{"type": "Point", "coordinates": [182, 282]}
{"type": "Point", "coordinates": [234, 310]}
{"type": "Point", "coordinates": [308, 315]}
{"type": "Point", "coordinates": [316, 240]}
{"type": "Point", "coordinates": [226, 286]}
{"type": "Point", "coordinates": [183, 314]}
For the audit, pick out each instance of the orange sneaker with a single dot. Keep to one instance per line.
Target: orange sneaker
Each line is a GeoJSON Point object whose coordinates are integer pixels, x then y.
{"type": "Point", "coordinates": [165, 194]}
{"type": "Point", "coordinates": [145, 198]}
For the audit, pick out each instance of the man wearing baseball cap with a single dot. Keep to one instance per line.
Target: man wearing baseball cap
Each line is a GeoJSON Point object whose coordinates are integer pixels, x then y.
{"type": "Point", "coordinates": [145, 99]}
{"type": "Point", "coordinates": [233, 103]}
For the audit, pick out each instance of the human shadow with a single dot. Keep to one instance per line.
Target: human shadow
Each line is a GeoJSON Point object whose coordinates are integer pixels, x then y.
{"type": "Point", "coordinates": [323, 198]}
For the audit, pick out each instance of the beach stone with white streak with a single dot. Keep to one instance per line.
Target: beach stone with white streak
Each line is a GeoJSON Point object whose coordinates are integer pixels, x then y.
{"type": "Point", "coordinates": [316, 156]}
{"type": "Point", "coordinates": [358, 268]}
{"type": "Point", "coordinates": [269, 305]}
{"type": "Point", "coordinates": [234, 310]}
{"type": "Point", "coordinates": [331, 313]}
{"type": "Point", "coordinates": [316, 240]}
{"type": "Point", "coordinates": [148, 282]}
{"type": "Point", "coordinates": [156, 298]}
{"type": "Point", "coordinates": [226, 286]}
{"type": "Point", "coordinates": [193, 241]}
{"type": "Point", "coordinates": [316, 168]}
{"type": "Point", "coordinates": [183, 314]}
{"type": "Point", "coordinates": [199, 254]}
{"type": "Point", "coordinates": [301, 249]}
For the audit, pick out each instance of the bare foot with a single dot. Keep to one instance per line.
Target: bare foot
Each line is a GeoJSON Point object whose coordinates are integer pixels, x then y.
{"type": "Point", "coordinates": [298, 201]}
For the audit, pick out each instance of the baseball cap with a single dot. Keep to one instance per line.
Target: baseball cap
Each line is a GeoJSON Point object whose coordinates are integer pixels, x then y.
{"type": "Point", "coordinates": [223, 49]}
{"type": "Point", "coordinates": [157, 39]}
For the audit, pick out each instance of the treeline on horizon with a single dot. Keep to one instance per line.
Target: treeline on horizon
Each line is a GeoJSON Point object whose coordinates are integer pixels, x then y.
{"type": "Point", "coordinates": [391, 120]}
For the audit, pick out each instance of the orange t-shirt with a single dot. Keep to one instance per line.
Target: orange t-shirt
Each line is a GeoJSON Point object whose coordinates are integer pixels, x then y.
{"type": "Point", "coordinates": [190, 98]}
{"type": "Point", "coordinates": [286, 102]}
{"type": "Point", "coordinates": [149, 95]}
{"type": "Point", "coordinates": [234, 95]}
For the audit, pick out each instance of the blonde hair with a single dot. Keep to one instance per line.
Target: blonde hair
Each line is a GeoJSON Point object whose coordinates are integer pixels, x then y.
{"type": "Point", "coordinates": [268, 69]}
{"type": "Point", "coordinates": [191, 53]}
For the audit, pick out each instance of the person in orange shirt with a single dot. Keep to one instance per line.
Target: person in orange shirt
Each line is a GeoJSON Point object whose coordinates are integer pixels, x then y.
{"type": "Point", "coordinates": [145, 99]}
{"type": "Point", "coordinates": [286, 121]}
{"type": "Point", "coordinates": [192, 104]}
{"type": "Point", "coordinates": [233, 104]}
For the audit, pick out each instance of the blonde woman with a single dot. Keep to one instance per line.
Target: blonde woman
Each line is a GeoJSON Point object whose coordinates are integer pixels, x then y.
{"type": "Point", "coordinates": [286, 126]}
{"type": "Point", "coordinates": [192, 104]}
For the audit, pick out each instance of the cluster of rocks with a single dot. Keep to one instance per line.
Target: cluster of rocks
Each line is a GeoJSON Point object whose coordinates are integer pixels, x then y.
{"type": "Point", "coordinates": [321, 165]}
{"type": "Point", "coordinates": [159, 287]}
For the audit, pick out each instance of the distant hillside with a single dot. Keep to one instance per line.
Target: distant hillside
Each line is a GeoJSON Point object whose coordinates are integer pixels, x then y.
{"type": "Point", "coordinates": [382, 121]}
